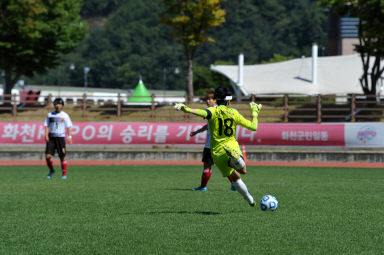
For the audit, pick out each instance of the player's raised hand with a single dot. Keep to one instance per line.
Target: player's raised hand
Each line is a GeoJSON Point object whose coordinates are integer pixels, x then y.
{"type": "Point", "coordinates": [255, 108]}
{"type": "Point", "coordinates": [179, 106]}
{"type": "Point", "coordinates": [182, 107]}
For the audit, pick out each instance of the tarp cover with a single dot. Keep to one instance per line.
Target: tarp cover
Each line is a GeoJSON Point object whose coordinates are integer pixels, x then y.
{"type": "Point", "coordinates": [335, 75]}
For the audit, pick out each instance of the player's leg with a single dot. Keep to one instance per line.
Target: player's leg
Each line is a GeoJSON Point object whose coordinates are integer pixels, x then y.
{"type": "Point", "coordinates": [236, 159]}
{"type": "Point", "coordinates": [61, 148]}
{"type": "Point", "coordinates": [207, 171]}
{"type": "Point", "coordinates": [231, 181]}
{"type": "Point", "coordinates": [242, 188]}
{"type": "Point", "coordinates": [49, 152]}
{"type": "Point", "coordinates": [208, 163]}
{"type": "Point", "coordinates": [242, 170]}
{"type": "Point", "coordinates": [229, 177]}
{"type": "Point", "coordinates": [222, 162]}
{"type": "Point", "coordinates": [64, 166]}
{"type": "Point", "coordinates": [48, 159]}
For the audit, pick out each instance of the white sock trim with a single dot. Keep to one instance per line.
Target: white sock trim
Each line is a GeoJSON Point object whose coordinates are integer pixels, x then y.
{"type": "Point", "coordinates": [242, 189]}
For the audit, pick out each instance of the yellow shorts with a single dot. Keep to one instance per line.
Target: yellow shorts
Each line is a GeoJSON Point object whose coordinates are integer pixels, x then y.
{"type": "Point", "coordinates": [221, 158]}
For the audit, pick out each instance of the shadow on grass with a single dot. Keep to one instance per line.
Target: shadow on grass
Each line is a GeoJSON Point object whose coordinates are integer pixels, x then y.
{"type": "Point", "coordinates": [178, 212]}
{"type": "Point", "coordinates": [186, 212]}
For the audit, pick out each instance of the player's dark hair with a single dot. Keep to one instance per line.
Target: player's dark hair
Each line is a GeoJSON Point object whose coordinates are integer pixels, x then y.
{"type": "Point", "coordinates": [58, 101]}
{"type": "Point", "coordinates": [252, 98]}
{"type": "Point", "coordinates": [220, 94]}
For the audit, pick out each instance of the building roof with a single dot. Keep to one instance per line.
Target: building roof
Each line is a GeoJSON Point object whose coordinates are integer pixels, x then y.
{"type": "Point", "coordinates": [335, 75]}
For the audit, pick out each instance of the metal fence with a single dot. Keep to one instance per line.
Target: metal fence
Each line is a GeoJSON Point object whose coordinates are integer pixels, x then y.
{"type": "Point", "coordinates": [276, 108]}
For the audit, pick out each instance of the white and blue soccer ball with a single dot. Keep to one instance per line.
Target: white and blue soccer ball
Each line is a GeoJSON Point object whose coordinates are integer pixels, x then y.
{"type": "Point", "coordinates": [268, 203]}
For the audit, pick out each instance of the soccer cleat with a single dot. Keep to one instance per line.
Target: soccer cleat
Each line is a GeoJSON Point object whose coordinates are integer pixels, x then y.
{"type": "Point", "coordinates": [200, 189]}
{"type": "Point", "coordinates": [233, 187]}
{"type": "Point", "coordinates": [64, 177]}
{"type": "Point", "coordinates": [49, 176]}
{"type": "Point", "coordinates": [252, 205]}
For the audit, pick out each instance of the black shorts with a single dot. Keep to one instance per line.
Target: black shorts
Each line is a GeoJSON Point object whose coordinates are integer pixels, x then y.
{"type": "Point", "coordinates": [207, 157]}
{"type": "Point", "coordinates": [56, 144]}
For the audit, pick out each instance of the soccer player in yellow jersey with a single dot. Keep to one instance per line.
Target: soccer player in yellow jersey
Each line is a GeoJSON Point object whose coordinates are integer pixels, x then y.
{"type": "Point", "coordinates": [207, 156]}
{"type": "Point", "coordinates": [225, 149]}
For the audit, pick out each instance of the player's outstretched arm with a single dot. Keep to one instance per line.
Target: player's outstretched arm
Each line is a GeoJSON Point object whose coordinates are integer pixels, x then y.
{"type": "Point", "coordinates": [69, 137]}
{"type": "Point", "coordinates": [186, 109]}
{"type": "Point", "coordinates": [204, 128]}
{"type": "Point", "coordinates": [47, 134]}
{"type": "Point", "coordinates": [251, 125]}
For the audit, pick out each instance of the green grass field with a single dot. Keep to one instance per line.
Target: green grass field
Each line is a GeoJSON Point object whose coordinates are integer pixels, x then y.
{"type": "Point", "coordinates": [152, 210]}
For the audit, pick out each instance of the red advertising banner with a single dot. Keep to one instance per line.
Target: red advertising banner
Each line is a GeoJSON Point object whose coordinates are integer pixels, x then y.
{"type": "Point", "coordinates": [299, 134]}
{"type": "Point", "coordinates": [137, 133]}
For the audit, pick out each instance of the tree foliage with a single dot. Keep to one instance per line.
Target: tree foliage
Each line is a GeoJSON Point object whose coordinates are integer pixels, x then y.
{"type": "Point", "coordinates": [276, 58]}
{"type": "Point", "coordinates": [260, 29]}
{"type": "Point", "coordinates": [94, 8]}
{"type": "Point", "coordinates": [205, 80]}
{"type": "Point", "coordinates": [34, 32]}
{"type": "Point", "coordinates": [371, 36]}
{"type": "Point", "coordinates": [129, 41]}
{"type": "Point", "coordinates": [190, 22]}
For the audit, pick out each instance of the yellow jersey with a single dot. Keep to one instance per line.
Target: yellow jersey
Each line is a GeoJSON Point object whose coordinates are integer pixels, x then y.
{"type": "Point", "coordinates": [222, 125]}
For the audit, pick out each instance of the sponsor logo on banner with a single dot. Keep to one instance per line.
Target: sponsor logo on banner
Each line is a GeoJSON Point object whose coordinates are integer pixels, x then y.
{"type": "Point", "coordinates": [366, 134]}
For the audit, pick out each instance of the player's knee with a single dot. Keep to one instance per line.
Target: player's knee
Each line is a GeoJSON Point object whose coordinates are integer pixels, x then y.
{"type": "Point", "coordinates": [48, 156]}
{"type": "Point", "coordinates": [243, 170]}
{"type": "Point", "coordinates": [235, 176]}
{"type": "Point", "coordinates": [237, 164]}
{"type": "Point", "coordinates": [62, 154]}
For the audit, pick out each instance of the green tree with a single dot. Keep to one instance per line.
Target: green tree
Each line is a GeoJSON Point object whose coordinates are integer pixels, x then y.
{"type": "Point", "coordinates": [34, 33]}
{"type": "Point", "coordinates": [205, 80]}
{"type": "Point", "coordinates": [126, 40]}
{"type": "Point", "coordinates": [276, 58]}
{"type": "Point", "coordinates": [260, 29]}
{"type": "Point", "coordinates": [95, 8]}
{"type": "Point", "coordinates": [190, 21]}
{"type": "Point", "coordinates": [371, 36]}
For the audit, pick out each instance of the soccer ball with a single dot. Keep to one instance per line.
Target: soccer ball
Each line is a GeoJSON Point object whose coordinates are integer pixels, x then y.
{"type": "Point", "coordinates": [268, 203]}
